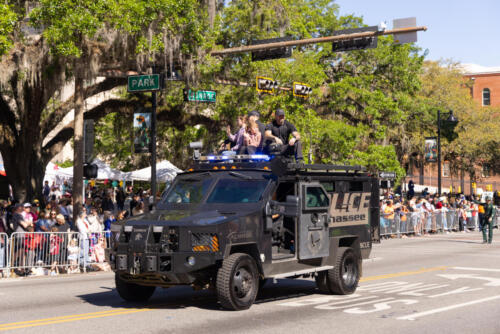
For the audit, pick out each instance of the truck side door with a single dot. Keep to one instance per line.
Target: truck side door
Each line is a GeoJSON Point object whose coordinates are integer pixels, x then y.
{"type": "Point", "coordinates": [313, 232]}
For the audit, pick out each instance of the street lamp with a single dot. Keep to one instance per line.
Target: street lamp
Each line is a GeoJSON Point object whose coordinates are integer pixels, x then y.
{"type": "Point", "coordinates": [452, 120]}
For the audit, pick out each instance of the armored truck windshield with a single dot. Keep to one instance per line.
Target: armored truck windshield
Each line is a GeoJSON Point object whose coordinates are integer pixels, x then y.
{"type": "Point", "coordinates": [217, 188]}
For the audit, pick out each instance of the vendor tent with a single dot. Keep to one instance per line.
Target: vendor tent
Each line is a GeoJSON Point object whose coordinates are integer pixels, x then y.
{"type": "Point", "coordinates": [104, 172]}
{"type": "Point", "coordinates": [165, 172]}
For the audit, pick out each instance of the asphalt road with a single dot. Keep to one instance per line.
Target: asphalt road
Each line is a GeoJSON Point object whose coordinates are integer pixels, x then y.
{"type": "Point", "coordinates": [437, 284]}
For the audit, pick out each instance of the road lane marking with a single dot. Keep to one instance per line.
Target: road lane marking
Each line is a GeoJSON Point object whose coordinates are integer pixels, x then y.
{"type": "Point", "coordinates": [452, 292]}
{"type": "Point", "coordinates": [405, 273]}
{"type": "Point", "coordinates": [41, 323]}
{"type": "Point", "coordinates": [447, 308]}
{"type": "Point", "coordinates": [108, 313]}
{"type": "Point", "coordinates": [477, 269]}
{"type": "Point", "coordinates": [330, 308]}
{"type": "Point", "coordinates": [63, 317]}
{"type": "Point", "coordinates": [492, 281]}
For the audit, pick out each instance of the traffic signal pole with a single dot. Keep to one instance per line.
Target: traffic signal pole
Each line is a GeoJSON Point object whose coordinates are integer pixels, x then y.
{"type": "Point", "coordinates": [258, 47]}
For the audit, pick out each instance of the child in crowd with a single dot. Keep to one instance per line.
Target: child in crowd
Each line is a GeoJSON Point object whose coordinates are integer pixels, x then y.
{"type": "Point", "coordinates": [73, 256]}
{"type": "Point", "coordinates": [55, 249]}
{"type": "Point", "coordinates": [32, 242]}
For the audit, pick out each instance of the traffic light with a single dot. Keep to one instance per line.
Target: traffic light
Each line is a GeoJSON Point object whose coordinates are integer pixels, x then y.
{"type": "Point", "coordinates": [359, 43]}
{"type": "Point", "coordinates": [266, 85]}
{"type": "Point", "coordinates": [90, 171]}
{"type": "Point", "coordinates": [301, 90]}
{"type": "Point", "coordinates": [275, 53]}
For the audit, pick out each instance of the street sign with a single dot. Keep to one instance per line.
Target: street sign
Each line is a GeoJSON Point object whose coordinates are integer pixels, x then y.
{"type": "Point", "coordinates": [360, 43]}
{"type": "Point", "coordinates": [274, 53]}
{"type": "Point", "coordinates": [200, 96]}
{"type": "Point", "coordinates": [407, 37]}
{"type": "Point", "coordinates": [142, 83]}
{"type": "Point", "coordinates": [387, 175]}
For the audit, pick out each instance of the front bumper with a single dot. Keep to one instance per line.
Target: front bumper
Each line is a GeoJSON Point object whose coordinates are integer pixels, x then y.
{"type": "Point", "coordinates": [170, 268]}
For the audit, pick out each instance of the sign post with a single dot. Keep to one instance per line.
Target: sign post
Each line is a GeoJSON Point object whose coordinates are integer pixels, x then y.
{"type": "Point", "coordinates": [144, 83]}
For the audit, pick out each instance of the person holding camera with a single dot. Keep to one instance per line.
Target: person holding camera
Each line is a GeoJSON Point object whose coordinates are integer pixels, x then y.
{"type": "Point", "coordinates": [277, 137]}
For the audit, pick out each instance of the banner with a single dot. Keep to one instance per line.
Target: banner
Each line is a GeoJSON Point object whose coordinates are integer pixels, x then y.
{"type": "Point", "coordinates": [431, 149]}
{"type": "Point", "coordinates": [142, 132]}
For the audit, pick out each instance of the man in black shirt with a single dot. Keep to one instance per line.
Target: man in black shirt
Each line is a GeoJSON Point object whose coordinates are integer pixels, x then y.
{"type": "Point", "coordinates": [279, 132]}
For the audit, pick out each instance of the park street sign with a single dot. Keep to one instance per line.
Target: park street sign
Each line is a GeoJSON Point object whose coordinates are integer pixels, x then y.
{"type": "Point", "coordinates": [141, 83]}
{"type": "Point", "coordinates": [200, 95]}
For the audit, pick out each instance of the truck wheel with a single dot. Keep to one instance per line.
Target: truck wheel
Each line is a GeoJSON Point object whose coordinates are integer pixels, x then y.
{"type": "Point", "coordinates": [344, 277]}
{"type": "Point", "coordinates": [322, 282]}
{"type": "Point", "coordinates": [237, 282]}
{"type": "Point", "coordinates": [133, 292]}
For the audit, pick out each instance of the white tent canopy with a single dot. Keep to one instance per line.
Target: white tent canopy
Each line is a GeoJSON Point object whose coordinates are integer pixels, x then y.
{"type": "Point", "coordinates": [165, 172]}
{"type": "Point", "coordinates": [104, 171]}
{"type": "Point", "coordinates": [57, 174]}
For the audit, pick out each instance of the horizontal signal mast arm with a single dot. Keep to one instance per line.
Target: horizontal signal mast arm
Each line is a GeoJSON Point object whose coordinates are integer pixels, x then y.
{"type": "Point", "coordinates": [258, 47]}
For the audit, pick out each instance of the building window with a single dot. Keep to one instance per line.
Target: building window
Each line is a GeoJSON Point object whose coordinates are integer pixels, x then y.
{"type": "Point", "coordinates": [486, 97]}
{"type": "Point", "coordinates": [446, 169]}
{"type": "Point", "coordinates": [486, 171]}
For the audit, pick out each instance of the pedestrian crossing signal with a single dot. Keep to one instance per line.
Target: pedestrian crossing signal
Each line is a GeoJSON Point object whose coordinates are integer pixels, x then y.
{"type": "Point", "coordinates": [266, 85]}
{"type": "Point", "coordinates": [301, 90]}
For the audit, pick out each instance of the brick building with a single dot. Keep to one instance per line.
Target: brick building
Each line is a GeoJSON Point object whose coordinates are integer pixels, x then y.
{"type": "Point", "coordinates": [486, 92]}
{"type": "Point", "coordinates": [486, 84]}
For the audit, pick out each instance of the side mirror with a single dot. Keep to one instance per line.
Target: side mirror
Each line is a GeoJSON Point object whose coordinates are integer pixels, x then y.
{"type": "Point", "coordinates": [292, 206]}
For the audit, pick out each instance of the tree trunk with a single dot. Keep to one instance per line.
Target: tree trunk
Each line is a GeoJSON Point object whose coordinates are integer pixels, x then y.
{"type": "Point", "coordinates": [78, 143]}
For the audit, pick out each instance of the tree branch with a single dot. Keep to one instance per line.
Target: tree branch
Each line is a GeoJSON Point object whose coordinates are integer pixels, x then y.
{"type": "Point", "coordinates": [57, 116]}
{"type": "Point", "coordinates": [56, 144]}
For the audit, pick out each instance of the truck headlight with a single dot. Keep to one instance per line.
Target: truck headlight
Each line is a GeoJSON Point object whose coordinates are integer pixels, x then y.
{"type": "Point", "coordinates": [191, 260]}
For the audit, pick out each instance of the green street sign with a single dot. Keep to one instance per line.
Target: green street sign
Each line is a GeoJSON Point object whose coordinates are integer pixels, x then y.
{"type": "Point", "coordinates": [141, 83]}
{"type": "Point", "coordinates": [200, 96]}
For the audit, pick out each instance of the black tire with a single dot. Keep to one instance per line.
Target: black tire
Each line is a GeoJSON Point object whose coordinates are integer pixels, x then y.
{"type": "Point", "coordinates": [133, 292]}
{"type": "Point", "coordinates": [237, 282]}
{"type": "Point", "coordinates": [343, 279]}
{"type": "Point", "coordinates": [322, 282]}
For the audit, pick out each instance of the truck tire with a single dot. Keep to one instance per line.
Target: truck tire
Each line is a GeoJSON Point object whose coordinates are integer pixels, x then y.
{"type": "Point", "coordinates": [322, 282]}
{"type": "Point", "coordinates": [133, 292]}
{"type": "Point", "coordinates": [237, 282]}
{"type": "Point", "coordinates": [344, 277]}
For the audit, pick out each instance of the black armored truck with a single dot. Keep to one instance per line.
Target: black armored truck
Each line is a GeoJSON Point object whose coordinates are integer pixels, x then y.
{"type": "Point", "coordinates": [231, 222]}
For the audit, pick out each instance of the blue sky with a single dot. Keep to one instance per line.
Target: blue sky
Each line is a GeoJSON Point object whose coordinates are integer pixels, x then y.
{"type": "Point", "coordinates": [465, 31]}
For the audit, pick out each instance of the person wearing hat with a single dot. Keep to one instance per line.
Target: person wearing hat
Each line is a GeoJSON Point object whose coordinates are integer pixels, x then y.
{"type": "Point", "coordinates": [27, 214]}
{"type": "Point", "coordinates": [488, 220]}
{"type": "Point", "coordinates": [279, 132]}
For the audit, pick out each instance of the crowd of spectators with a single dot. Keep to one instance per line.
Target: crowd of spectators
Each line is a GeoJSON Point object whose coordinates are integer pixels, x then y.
{"type": "Point", "coordinates": [59, 237]}
{"type": "Point", "coordinates": [416, 215]}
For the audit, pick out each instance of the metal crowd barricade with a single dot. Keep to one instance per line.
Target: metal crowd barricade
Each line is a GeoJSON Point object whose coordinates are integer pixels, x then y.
{"type": "Point", "coordinates": [417, 223]}
{"type": "Point", "coordinates": [92, 248]}
{"type": "Point", "coordinates": [40, 250]}
{"type": "Point", "coordinates": [4, 254]}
